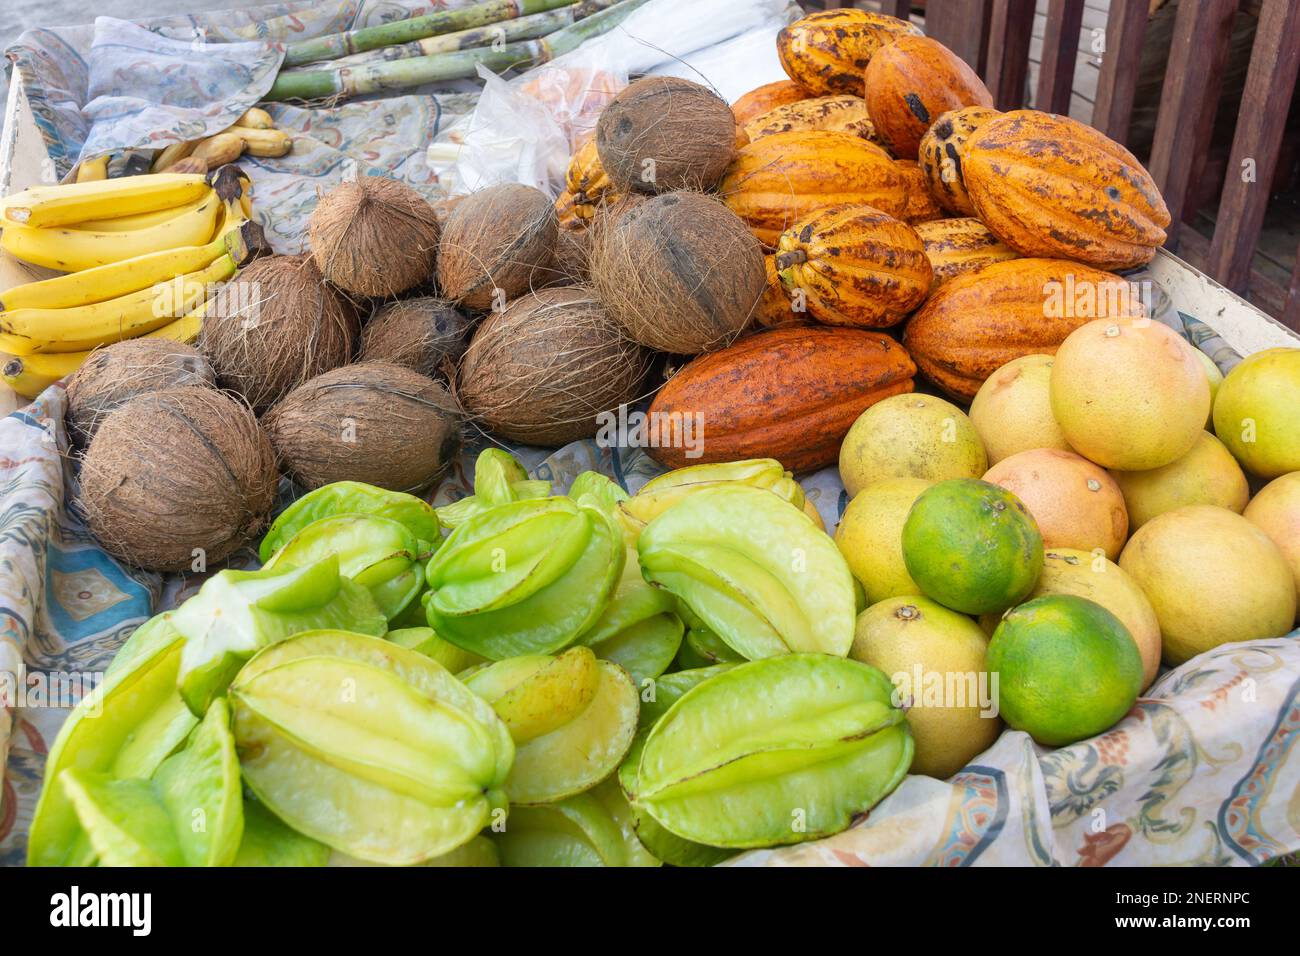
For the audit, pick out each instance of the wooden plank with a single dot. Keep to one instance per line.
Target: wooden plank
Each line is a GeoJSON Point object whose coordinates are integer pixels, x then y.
{"type": "Point", "coordinates": [897, 8]}
{"type": "Point", "coordinates": [1010, 26]}
{"type": "Point", "coordinates": [961, 26]}
{"type": "Point", "coordinates": [1191, 91]}
{"type": "Point", "coordinates": [1060, 51]}
{"type": "Point", "coordinates": [1290, 316]}
{"type": "Point", "coordinates": [1117, 82]}
{"type": "Point", "coordinates": [1270, 82]}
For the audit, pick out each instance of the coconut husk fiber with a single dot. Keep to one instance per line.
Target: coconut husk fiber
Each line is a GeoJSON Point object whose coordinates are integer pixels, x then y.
{"type": "Point", "coordinates": [373, 421]}
{"type": "Point", "coordinates": [113, 375]}
{"type": "Point", "coordinates": [178, 479]}
{"type": "Point", "coordinates": [274, 326]}
{"type": "Point", "coordinates": [374, 236]}
{"type": "Point", "coordinates": [540, 371]}
{"type": "Point", "coordinates": [679, 272]}
{"type": "Point", "coordinates": [664, 133]}
{"type": "Point", "coordinates": [422, 334]}
{"type": "Point", "coordinates": [497, 244]}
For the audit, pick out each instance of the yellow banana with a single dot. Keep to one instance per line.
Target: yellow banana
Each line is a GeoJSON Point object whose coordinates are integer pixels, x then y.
{"type": "Point", "coordinates": [172, 154]}
{"type": "Point", "coordinates": [183, 330]}
{"type": "Point", "coordinates": [71, 250]}
{"type": "Point", "coordinates": [27, 331]}
{"type": "Point", "coordinates": [93, 169]}
{"type": "Point", "coordinates": [46, 206]}
{"type": "Point", "coordinates": [140, 220]}
{"type": "Point", "coordinates": [256, 119]}
{"type": "Point", "coordinates": [29, 375]}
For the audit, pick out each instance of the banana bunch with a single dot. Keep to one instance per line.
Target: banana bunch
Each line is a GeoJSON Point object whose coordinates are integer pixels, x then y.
{"type": "Point", "coordinates": [143, 254]}
{"type": "Point", "coordinates": [253, 133]}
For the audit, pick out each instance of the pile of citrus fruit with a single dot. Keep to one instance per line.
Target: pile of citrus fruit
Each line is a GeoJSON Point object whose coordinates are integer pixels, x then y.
{"type": "Point", "coordinates": [1098, 510]}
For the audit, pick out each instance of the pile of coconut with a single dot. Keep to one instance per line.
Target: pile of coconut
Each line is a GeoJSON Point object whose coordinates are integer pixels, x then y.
{"type": "Point", "coordinates": [407, 327]}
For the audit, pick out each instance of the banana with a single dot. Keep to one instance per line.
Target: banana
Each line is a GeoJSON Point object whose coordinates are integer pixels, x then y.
{"type": "Point", "coordinates": [172, 154]}
{"type": "Point", "coordinates": [29, 375]}
{"type": "Point", "coordinates": [140, 220]}
{"type": "Point", "coordinates": [255, 119]}
{"type": "Point", "coordinates": [265, 142]}
{"type": "Point", "coordinates": [43, 207]}
{"type": "Point", "coordinates": [183, 330]}
{"type": "Point", "coordinates": [71, 250]}
{"type": "Point", "coordinates": [93, 169]}
{"type": "Point", "coordinates": [28, 331]}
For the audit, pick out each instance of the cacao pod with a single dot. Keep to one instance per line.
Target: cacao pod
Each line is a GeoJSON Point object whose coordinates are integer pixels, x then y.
{"type": "Point", "coordinates": [976, 323]}
{"type": "Point", "coordinates": [838, 114]}
{"type": "Point", "coordinates": [778, 179]}
{"type": "Point", "coordinates": [911, 83]}
{"type": "Point", "coordinates": [940, 155]}
{"type": "Point", "coordinates": [958, 246]}
{"type": "Point", "coordinates": [765, 98]}
{"type": "Point", "coordinates": [854, 266]}
{"type": "Point", "coordinates": [586, 180]}
{"type": "Point", "coordinates": [827, 52]}
{"type": "Point", "coordinates": [1050, 186]}
{"type": "Point", "coordinates": [921, 206]}
{"type": "Point", "coordinates": [775, 308]}
{"type": "Point", "coordinates": [789, 394]}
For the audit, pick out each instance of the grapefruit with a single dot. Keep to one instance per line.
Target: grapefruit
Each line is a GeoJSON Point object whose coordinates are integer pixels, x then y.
{"type": "Point", "coordinates": [1257, 412]}
{"type": "Point", "coordinates": [1012, 411]}
{"type": "Point", "coordinates": [1206, 475]}
{"type": "Point", "coordinates": [1213, 577]}
{"type": "Point", "coordinates": [972, 546]}
{"type": "Point", "coordinates": [870, 536]}
{"type": "Point", "coordinates": [1092, 576]}
{"type": "Point", "coordinates": [1129, 393]}
{"type": "Point", "coordinates": [1215, 378]}
{"type": "Point", "coordinates": [1276, 512]}
{"type": "Point", "coordinates": [1067, 668]}
{"type": "Point", "coordinates": [910, 436]}
{"type": "Point", "coordinates": [1074, 503]}
{"type": "Point", "coordinates": [935, 659]}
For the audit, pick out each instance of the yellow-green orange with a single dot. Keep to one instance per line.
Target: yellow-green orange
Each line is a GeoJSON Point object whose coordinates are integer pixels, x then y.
{"type": "Point", "coordinates": [1012, 411]}
{"type": "Point", "coordinates": [972, 546]}
{"type": "Point", "coordinates": [1074, 503]}
{"type": "Point", "coordinates": [870, 536]}
{"type": "Point", "coordinates": [1088, 575]}
{"type": "Point", "coordinates": [935, 657]}
{"type": "Point", "coordinates": [1257, 412]}
{"type": "Point", "coordinates": [1213, 577]}
{"type": "Point", "coordinates": [910, 436]}
{"type": "Point", "coordinates": [1129, 393]}
{"type": "Point", "coordinates": [1276, 512]}
{"type": "Point", "coordinates": [1067, 668]}
{"type": "Point", "coordinates": [1206, 475]}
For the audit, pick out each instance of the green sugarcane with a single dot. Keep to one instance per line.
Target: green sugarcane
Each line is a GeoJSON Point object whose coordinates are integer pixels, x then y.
{"type": "Point", "coordinates": [417, 28]}
{"type": "Point", "coordinates": [405, 74]}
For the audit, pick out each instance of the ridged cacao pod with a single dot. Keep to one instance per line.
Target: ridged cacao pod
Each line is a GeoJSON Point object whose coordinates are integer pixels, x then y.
{"type": "Point", "coordinates": [788, 394]}
{"type": "Point", "coordinates": [854, 266]}
{"type": "Point", "coordinates": [765, 98]}
{"type": "Point", "coordinates": [777, 180]}
{"type": "Point", "coordinates": [1051, 186]}
{"type": "Point", "coordinates": [911, 83]}
{"type": "Point", "coordinates": [921, 206]}
{"type": "Point", "coordinates": [586, 180]}
{"type": "Point", "coordinates": [940, 155]}
{"type": "Point", "coordinates": [838, 114]}
{"type": "Point", "coordinates": [978, 322]}
{"type": "Point", "coordinates": [957, 246]}
{"type": "Point", "coordinates": [775, 308]}
{"type": "Point", "coordinates": [827, 52]}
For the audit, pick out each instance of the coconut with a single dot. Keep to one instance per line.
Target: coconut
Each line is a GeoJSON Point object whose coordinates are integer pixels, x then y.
{"type": "Point", "coordinates": [500, 238]}
{"type": "Point", "coordinates": [541, 370]}
{"type": "Point", "coordinates": [421, 334]}
{"type": "Point", "coordinates": [374, 422]}
{"type": "Point", "coordinates": [680, 272]}
{"type": "Point", "coordinates": [664, 133]}
{"type": "Point", "coordinates": [178, 479]}
{"type": "Point", "coordinates": [572, 257]}
{"type": "Point", "coordinates": [274, 326]}
{"type": "Point", "coordinates": [374, 236]}
{"type": "Point", "coordinates": [117, 373]}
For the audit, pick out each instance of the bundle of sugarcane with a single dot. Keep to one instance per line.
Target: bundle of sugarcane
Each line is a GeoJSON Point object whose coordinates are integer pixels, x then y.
{"type": "Point", "coordinates": [401, 74]}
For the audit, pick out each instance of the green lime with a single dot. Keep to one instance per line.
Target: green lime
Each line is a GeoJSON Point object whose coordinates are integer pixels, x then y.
{"type": "Point", "coordinates": [972, 546]}
{"type": "Point", "coordinates": [1066, 668]}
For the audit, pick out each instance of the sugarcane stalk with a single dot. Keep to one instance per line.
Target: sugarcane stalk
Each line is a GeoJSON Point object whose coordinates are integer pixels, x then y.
{"type": "Point", "coordinates": [416, 28]}
{"type": "Point", "coordinates": [336, 84]}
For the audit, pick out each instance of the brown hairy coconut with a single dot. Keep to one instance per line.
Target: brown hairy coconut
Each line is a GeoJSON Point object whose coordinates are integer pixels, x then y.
{"type": "Point", "coordinates": [680, 272]}
{"type": "Point", "coordinates": [275, 325]}
{"type": "Point", "coordinates": [374, 236]}
{"type": "Point", "coordinates": [572, 256]}
{"type": "Point", "coordinates": [374, 422]}
{"type": "Point", "coordinates": [664, 133]}
{"type": "Point", "coordinates": [502, 237]}
{"type": "Point", "coordinates": [117, 373]}
{"type": "Point", "coordinates": [540, 371]}
{"type": "Point", "coordinates": [178, 479]}
{"type": "Point", "coordinates": [420, 334]}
